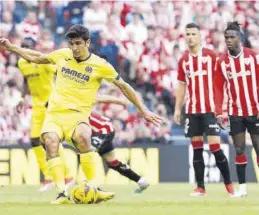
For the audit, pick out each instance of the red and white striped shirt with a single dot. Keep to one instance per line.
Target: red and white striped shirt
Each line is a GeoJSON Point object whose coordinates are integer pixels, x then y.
{"type": "Point", "coordinates": [239, 75]}
{"type": "Point", "coordinates": [100, 124]}
{"type": "Point", "coordinates": [198, 72]}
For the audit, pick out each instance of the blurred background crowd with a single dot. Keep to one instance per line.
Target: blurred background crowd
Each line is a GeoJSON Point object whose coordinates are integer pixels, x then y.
{"type": "Point", "coordinates": [143, 40]}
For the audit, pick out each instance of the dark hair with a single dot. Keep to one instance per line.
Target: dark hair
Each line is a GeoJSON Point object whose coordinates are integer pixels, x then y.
{"type": "Point", "coordinates": [77, 31]}
{"type": "Point", "coordinates": [28, 42]}
{"type": "Point", "coordinates": [234, 26]}
{"type": "Point", "coordinates": [192, 25]}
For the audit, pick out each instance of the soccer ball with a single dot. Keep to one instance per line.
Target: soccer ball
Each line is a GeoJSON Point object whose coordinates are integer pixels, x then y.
{"type": "Point", "coordinates": [84, 193]}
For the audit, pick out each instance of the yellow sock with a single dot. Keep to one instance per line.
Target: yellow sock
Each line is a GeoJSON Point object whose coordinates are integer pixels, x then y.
{"type": "Point", "coordinates": [41, 158]}
{"type": "Point", "coordinates": [88, 165]}
{"type": "Point", "coordinates": [61, 154]}
{"type": "Point", "coordinates": [57, 170]}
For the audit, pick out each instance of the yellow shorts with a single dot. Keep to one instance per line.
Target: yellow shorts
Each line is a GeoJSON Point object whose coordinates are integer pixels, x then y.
{"type": "Point", "coordinates": [64, 123]}
{"type": "Point", "coordinates": [37, 119]}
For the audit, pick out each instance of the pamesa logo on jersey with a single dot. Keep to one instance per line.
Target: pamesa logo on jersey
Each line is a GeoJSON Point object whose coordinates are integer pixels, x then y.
{"type": "Point", "coordinates": [74, 75]}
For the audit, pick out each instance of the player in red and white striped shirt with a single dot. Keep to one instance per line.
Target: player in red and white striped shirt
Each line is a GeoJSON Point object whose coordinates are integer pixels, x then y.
{"type": "Point", "coordinates": [238, 74]}
{"type": "Point", "coordinates": [102, 139]}
{"type": "Point", "coordinates": [100, 124]}
{"type": "Point", "coordinates": [195, 78]}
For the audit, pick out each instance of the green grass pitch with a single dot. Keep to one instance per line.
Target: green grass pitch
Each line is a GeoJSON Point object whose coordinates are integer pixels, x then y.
{"type": "Point", "coordinates": [162, 199]}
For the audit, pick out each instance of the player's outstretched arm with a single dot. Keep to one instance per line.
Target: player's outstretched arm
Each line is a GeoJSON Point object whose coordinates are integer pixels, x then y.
{"type": "Point", "coordinates": [110, 99]}
{"type": "Point", "coordinates": [131, 95]}
{"type": "Point", "coordinates": [27, 54]}
{"type": "Point", "coordinates": [179, 100]}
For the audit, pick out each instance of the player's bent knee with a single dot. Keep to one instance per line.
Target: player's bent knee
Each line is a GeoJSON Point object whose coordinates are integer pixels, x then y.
{"type": "Point", "coordinates": [51, 142]}
{"type": "Point", "coordinates": [83, 143]}
{"type": "Point", "coordinates": [82, 133]}
{"type": "Point", "coordinates": [82, 138]}
{"type": "Point", "coordinates": [83, 128]}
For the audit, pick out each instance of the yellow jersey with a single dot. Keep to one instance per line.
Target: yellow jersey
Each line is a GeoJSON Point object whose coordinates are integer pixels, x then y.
{"type": "Point", "coordinates": [40, 79]}
{"type": "Point", "coordinates": [77, 82]}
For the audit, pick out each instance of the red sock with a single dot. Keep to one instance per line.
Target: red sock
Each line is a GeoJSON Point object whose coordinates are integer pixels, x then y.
{"type": "Point", "coordinates": [241, 162]}
{"type": "Point", "coordinates": [214, 147]}
{"type": "Point", "coordinates": [197, 144]}
{"type": "Point", "coordinates": [113, 163]}
{"type": "Point", "coordinates": [241, 159]}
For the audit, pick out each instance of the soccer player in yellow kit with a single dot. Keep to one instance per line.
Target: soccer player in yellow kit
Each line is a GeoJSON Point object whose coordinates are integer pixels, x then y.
{"type": "Point", "coordinates": [79, 76]}
{"type": "Point", "coordinates": [39, 80]}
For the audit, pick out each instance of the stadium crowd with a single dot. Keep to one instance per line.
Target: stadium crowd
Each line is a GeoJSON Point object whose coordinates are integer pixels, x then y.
{"type": "Point", "coordinates": [143, 40]}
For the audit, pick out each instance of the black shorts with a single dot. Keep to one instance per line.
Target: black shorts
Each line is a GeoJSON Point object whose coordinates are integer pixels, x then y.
{"type": "Point", "coordinates": [103, 142]}
{"type": "Point", "coordinates": [200, 124]}
{"type": "Point", "coordinates": [240, 124]}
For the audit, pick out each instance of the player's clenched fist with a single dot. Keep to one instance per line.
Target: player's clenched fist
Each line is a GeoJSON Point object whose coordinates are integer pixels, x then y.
{"type": "Point", "coordinates": [5, 43]}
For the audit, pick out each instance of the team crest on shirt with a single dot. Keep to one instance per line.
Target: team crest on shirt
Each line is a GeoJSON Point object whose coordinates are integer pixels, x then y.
{"type": "Point", "coordinates": [89, 69]}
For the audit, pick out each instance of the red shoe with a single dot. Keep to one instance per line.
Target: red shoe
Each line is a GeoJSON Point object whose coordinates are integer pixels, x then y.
{"type": "Point", "coordinates": [230, 188]}
{"type": "Point", "coordinates": [46, 185]}
{"type": "Point", "coordinates": [199, 191]}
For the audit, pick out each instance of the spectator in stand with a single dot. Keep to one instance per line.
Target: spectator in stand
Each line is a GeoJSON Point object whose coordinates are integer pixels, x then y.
{"type": "Point", "coordinates": [6, 24]}
{"type": "Point", "coordinates": [76, 12]}
{"type": "Point", "coordinates": [137, 28]}
{"type": "Point", "coordinates": [95, 17]}
{"type": "Point", "coordinates": [45, 43]}
{"type": "Point", "coordinates": [109, 50]}
{"type": "Point", "coordinates": [30, 27]}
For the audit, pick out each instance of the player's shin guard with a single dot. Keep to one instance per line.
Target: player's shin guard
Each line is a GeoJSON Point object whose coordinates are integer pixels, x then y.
{"type": "Point", "coordinates": [88, 164]}
{"type": "Point", "coordinates": [62, 156]}
{"type": "Point", "coordinates": [41, 158]}
{"type": "Point", "coordinates": [198, 163]}
{"type": "Point", "coordinates": [241, 162]}
{"type": "Point", "coordinates": [57, 170]}
{"type": "Point", "coordinates": [124, 169]}
{"type": "Point", "coordinates": [221, 162]}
